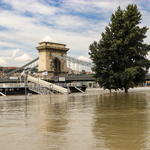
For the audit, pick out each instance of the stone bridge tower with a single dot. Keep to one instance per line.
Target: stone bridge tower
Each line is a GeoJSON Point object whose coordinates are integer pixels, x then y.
{"type": "Point", "coordinates": [53, 65]}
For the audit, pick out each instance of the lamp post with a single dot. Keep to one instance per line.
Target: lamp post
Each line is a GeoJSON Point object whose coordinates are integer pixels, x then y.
{"type": "Point", "coordinates": [25, 84]}
{"type": "Point", "coordinates": [51, 87]}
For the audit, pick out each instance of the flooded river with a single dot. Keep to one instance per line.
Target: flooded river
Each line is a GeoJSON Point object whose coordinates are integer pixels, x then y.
{"type": "Point", "coordinates": [91, 121]}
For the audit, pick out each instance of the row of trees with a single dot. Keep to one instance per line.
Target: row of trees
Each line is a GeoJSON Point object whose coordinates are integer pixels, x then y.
{"type": "Point", "coordinates": [1, 68]}
{"type": "Point", "coordinates": [6, 70]}
{"type": "Point", "coordinates": [83, 72]}
{"type": "Point", "coordinates": [120, 56]}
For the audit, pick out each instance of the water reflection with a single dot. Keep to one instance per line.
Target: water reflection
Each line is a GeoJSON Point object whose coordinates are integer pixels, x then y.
{"type": "Point", "coordinates": [79, 121]}
{"type": "Point", "coordinates": [53, 114]}
{"type": "Point", "coordinates": [122, 121]}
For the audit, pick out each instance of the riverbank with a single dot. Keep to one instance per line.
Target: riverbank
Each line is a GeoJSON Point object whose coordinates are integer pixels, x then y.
{"type": "Point", "coordinates": [101, 90]}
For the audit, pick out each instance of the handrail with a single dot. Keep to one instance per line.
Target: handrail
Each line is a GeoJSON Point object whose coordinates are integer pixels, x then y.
{"type": "Point", "coordinates": [79, 89]}
{"type": "Point", "coordinates": [2, 94]}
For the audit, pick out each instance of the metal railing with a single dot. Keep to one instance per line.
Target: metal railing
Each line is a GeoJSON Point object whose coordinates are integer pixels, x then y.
{"type": "Point", "coordinates": [74, 60]}
{"type": "Point", "coordinates": [64, 57]}
{"type": "Point", "coordinates": [19, 69]}
{"type": "Point", "coordinates": [39, 89]}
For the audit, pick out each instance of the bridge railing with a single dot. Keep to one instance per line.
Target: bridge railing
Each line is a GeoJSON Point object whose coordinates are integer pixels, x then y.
{"type": "Point", "coordinates": [64, 57]}
{"type": "Point", "coordinates": [74, 60]}
{"type": "Point", "coordinates": [21, 68]}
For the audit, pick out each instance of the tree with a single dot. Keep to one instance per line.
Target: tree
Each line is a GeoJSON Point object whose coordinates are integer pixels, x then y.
{"type": "Point", "coordinates": [120, 56]}
{"type": "Point", "coordinates": [1, 68]}
{"type": "Point", "coordinates": [83, 72]}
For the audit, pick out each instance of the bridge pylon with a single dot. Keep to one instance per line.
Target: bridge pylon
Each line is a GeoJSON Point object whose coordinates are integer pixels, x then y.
{"type": "Point", "coordinates": [52, 65]}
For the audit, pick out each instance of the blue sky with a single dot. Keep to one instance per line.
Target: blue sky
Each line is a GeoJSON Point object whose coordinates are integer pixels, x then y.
{"type": "Point", "coordinates": [76, 23]}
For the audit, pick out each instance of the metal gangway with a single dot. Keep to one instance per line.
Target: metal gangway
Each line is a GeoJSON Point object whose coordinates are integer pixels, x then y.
{"type": "Point", "coordinates": [39, 89]}
{"type": "Point", "coordinates": [45, 86]}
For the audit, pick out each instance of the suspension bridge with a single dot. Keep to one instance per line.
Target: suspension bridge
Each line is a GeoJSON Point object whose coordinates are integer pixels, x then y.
{"type": "Point", "coordinates": [52, 66]}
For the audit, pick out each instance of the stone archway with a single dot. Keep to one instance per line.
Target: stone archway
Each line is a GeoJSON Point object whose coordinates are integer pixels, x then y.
{"type": "Point", "coordinates": [90, 84]}
{"type": "Point", "coordinates": [54, 66]}
{"type": "Point", "coordinates": [57, 67]}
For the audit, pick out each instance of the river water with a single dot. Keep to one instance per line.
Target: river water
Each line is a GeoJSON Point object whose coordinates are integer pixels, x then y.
{"type": "Point", "coordinates": [90, 121]}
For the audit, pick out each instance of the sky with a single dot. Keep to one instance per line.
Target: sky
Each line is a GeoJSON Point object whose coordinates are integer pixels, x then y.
{"type": "Point", "coordinates": [76, 23]}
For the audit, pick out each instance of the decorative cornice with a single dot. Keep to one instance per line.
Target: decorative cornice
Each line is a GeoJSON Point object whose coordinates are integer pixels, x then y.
{"type": "Point", "coordinates": [52, 43]}
{"type": "Point", "coordinates": [48, 47]}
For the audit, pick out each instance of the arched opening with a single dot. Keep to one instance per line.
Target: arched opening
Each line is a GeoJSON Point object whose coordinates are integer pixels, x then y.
{"type": "Point", "coordinates": [57, 65]}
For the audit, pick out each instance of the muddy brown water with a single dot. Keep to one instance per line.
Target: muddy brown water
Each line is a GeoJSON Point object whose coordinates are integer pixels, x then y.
{"type": "Point", "coordinates": [95, 120]}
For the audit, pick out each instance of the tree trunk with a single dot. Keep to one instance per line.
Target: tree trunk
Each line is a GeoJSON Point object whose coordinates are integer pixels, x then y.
{"type": "Point", "coordinates": [110, 91]}
{"type": "Point", "coordinates": [126, 90]}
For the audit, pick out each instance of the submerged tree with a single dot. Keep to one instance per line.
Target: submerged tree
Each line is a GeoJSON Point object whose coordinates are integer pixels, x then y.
{"type": "Point", "coordinates": [120, 56]}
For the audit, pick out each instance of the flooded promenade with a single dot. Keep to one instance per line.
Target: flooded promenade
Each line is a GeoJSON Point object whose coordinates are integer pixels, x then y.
{"type": "Point", "coordinates": [96, 120]}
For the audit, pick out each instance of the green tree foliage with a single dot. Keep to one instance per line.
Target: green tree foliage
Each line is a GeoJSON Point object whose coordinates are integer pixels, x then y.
{"type": "Point", "coordinates": [120, 56]}
{"type": "Point", "coordinates": [1, 68]}
{"type": "Point", "coordinates": [83, 72]}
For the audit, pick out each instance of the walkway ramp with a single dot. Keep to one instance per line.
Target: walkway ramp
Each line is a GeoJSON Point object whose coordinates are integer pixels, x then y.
{"type": "Point", "coordinates": [79, 89]}
{"type": "Point", "coordinates": [47, 84]}
{"type": "Point", "coordinates": [2, 94]}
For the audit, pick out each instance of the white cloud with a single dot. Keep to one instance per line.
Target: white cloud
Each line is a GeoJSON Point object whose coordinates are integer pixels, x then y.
{"type": "Point", "coordinates": [48, 39]}
{"type": "Point", "coordinates": [74, 23]}
{"type": "Point", "coordinates": [18, 20]}
{"type": "Point", "coordinates": [7, 44]}
{"type": "Point", "coordinates": [15, 52]}
{"type": "Point", "coordinates": [70, 22]}
{"type": "Point", "coordinates": [24, 57]}
{"type": "Point", "coordinates": [84, 58]}
{"type": "Point", "coordinates": [2, 62]}
{"type": "Point", "coordinates": [32, 6]}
